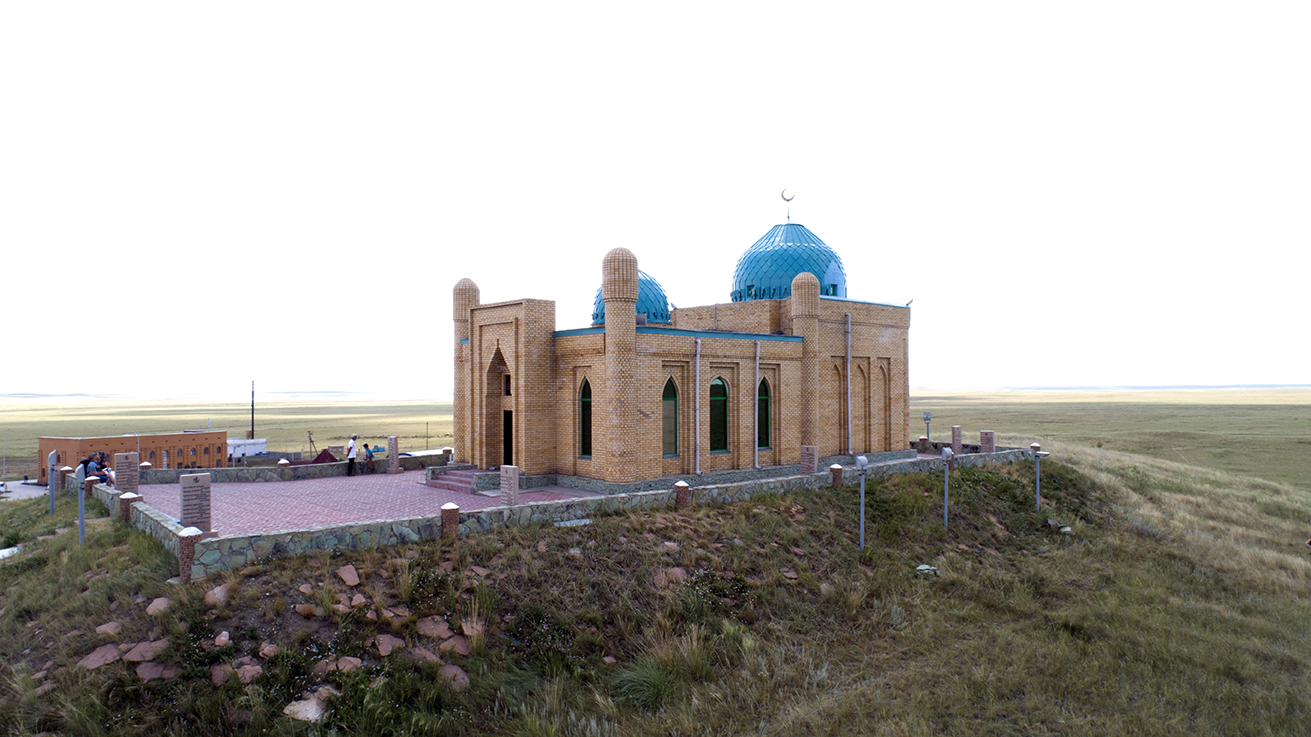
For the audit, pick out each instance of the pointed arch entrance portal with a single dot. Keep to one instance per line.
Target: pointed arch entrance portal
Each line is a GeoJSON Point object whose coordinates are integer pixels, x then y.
{"type": "Point", "coordinates": [498, 425]}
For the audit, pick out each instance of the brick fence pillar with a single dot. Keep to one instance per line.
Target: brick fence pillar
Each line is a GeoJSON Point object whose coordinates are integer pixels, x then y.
{"type": "Point", "coordinates": [682, 494]}
{"type": "Point", "coordinates": [88, 485]}
{"type": "Point", "coordinates": [63, 478]}
{"type": "Point", "coordinates": [836, 470]}
{"type": "Point", "coordinates": [125, 502]}
{"type": "Point", "coordinates": [450, 520]}
{"type": "Point", "coordinates": [187, 540]}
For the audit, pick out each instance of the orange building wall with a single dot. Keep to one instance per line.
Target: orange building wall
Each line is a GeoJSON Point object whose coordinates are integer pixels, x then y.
{"type": "Point", "coordinates": [203, 449]}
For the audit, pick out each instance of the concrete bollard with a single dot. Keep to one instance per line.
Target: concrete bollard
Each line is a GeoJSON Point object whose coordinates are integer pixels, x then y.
{"type": "Point", "coordinates": [450, 520]}
{"type": "Point", "coordinates": [682, 494]}
{"type": "Point", "coordinates": [836, 470]}
{"type": "Point", "coordinates": [125, 502]}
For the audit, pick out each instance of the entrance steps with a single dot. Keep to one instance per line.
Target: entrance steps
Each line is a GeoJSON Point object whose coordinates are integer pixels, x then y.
{"type": "Point", "coordinates": [461, 481]}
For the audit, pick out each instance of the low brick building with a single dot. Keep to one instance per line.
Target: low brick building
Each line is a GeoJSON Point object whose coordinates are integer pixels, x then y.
{"type": "Point", "coordinates": [647, 391]}
{"type": "Point", "coordinates": [198, 449]}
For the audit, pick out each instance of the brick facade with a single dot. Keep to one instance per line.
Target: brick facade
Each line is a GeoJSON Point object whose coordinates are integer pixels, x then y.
{"type": "Point", "coordinates": [165, 450]}
{"type": "Point", "coordinates": [514, 370]}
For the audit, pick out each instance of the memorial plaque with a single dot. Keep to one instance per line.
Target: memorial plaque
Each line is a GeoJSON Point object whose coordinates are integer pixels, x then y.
{"type": "Point", "coordinates": [394, 455]}
{"type": "Point", "coordinates": [955, 439]}
{"type": "Point", "coordinates": [987, 441]}
{"type": "Point", "coordinates": [809, 458]}
{"type": "Point", "coordinates": [195, 500]}
{"type": "Point", "coordinates": [127, 472]}
{"type": "Point", "coordinates": [509, 484]}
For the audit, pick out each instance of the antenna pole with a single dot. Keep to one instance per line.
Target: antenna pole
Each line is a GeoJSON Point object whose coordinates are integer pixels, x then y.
{"type": "Point", "coordinates": [252, 409]}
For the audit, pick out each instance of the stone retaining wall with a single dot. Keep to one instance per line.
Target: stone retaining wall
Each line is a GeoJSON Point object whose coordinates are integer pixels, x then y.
{"type": "Point", "coordinates": [255, 474]}
{"type": "Point", "coordinates": [218, 554]}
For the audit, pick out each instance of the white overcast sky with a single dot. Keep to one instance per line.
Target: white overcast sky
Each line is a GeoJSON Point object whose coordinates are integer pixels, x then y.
{"type": "Point", "coordinates": [195, 195]}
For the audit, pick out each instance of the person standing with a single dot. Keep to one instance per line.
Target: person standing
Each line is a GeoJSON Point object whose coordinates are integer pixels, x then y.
{"type": "Point", "coordinates": [350, 456]}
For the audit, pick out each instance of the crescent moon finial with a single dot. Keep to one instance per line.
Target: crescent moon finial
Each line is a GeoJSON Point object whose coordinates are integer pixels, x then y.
{"type": "Point", "coordinates": [784, 193]}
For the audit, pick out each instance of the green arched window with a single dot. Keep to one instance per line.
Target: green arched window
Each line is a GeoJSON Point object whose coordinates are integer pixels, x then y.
{"type": "Point", "coordinates": [762, 414]}
{"type": "Point", "coordinates": [585, 420]}
{"type": "Point", "coordinates": [718, 415]}
{"type": "Point", "coordinates": [669, 419]}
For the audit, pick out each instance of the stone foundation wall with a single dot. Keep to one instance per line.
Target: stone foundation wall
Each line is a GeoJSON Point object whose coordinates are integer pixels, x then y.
{"type": "Point", "coordinates": [254, 474]}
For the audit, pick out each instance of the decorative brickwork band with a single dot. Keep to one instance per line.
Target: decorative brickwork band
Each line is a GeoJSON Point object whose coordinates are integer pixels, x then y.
{"type": "Point", "coordinates": [126, 472]}
{"type": "Point", "coordinates": [393, 454]}
{"type": "Point", "coordinates": [125, 502]}
{"type": "Point", "coordinates": [509, 485]}
{"type": "Point", "coordinates": [187, 540]}
{"type": "Point", "coordinates": [809, 459]}
{"type": "Point", "coordinates": [682, 494]}
{"type": "Point", "coordinates": [987, 441]}
{"type": "Point", "coordinates": [836, 470]}
{"type": "Point", "coordinates": [955, 439]}
{"type": "Point", "coordinates": [450, 520]}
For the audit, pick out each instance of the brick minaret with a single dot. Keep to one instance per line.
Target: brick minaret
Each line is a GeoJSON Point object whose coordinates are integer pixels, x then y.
{"type": "Point", "coordinates": [804, 305]}
{"type": "Point", "coordinates": [466, 298]}
{"type": "Point", "coordinates": [619, 417]}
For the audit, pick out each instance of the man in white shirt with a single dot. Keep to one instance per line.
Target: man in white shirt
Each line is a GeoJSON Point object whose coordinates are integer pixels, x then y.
{"type": "Point", "coordinates": [350, 456]}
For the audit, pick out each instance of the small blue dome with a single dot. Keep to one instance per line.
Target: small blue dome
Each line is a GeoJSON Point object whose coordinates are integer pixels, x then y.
{"type": "Point", "coordinates": [651, 300]}
{"type": "Point", "coordinates": [767, 268]}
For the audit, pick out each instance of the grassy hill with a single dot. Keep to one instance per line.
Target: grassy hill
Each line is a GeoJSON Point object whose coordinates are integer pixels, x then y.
{"type": "Point", "coordinates": [1178, 603]}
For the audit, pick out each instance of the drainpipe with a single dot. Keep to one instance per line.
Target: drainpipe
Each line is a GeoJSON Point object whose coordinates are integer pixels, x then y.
{"type": "Point", "coordinates": [696, 408]}
{"type": "Point", "coordinates": [848, 383]}
{"type": "Point", "coordinates": [756, 404]}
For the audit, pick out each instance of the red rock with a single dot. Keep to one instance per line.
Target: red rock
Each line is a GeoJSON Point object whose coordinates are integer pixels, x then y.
{"type": "Point", "coordinates": [456, 643]}
{"type": "Point", "coordinates": [145, 651]}
{"type": "Point", "coordinates": [660, 579]}
{"type": "Point", "coordinates": [248, 673]}
{"type": "Point", "coordinates": [470, 627]}
{"type": "Point", "coordinates": [220, 673]}
{"type": "Point", "coordinates": [671, 547]}
{"type": "Point", "coordinates": [224, 639]}
{"type": "Point", "coordinates": [308, 610]}
{"type": "Point", "coordinates": [359, 600]}
{"type": "Point", "coordinates": [322, 667]}
{"type": "Point", "coordinates": [435, 626]}
{"type": "Point", "coordinates": [609, 660]}
{"type": "Point", "coordinates": [100, 656]}
{"type": "Point", "coordinates": [387, 643]}
{"type": "Point", "coordinates": [217, 596]}
{"type": "Point", "coordinates": [346, 665]}
{"type": "Point", "coordinates": [789, 573]}
{"type": "Point", "coordinates": [158, 606]}
{"type": "Point", "coordinates": [305, 589]}
{"type": "Point", "coordinates": [267, 650]}
{"type": "Point", "coordinates": [151, 671]}
{"type": "Point", "coordinates": [109, 628]}
{"type": "Point", "coordinates": [456, 675]}
{"type": "Point", "coordinates": [424, 655]}
{"type": "Point", "coordinates": [479, 570]}
{"type": "Point", "coordinates": [677, 574]}
{"type": "Point", "coordinates": [349, 575]}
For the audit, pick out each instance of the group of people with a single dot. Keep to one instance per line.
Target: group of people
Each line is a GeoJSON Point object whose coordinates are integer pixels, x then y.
{"type": "Point", "coordinates": [94, 466]}
{"type": "Point", "coordinates": [350, 457]}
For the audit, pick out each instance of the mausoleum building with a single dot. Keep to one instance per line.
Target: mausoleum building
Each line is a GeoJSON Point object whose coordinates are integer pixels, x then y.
{"type": "Point", "coordinates": [648, 391]}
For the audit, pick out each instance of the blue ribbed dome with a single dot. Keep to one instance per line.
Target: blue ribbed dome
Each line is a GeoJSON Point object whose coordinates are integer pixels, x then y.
{"type": "Point", "coordinates": [651, 299]}
{"type": "Point", "coordinates": [767, 269]}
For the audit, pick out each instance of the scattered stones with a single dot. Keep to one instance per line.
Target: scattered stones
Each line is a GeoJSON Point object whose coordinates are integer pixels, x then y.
{"type": "Point", "coordinates": [217, 596]}
{"type": "Point", "coordinates": [456, 643]}
{"type": "Point", "coordinates": [152, 671]}
{"type": "Point", "coordinates": [609, 660]}
{"type": "Point", "coordinates": [660, 579]}
{"type": "Point", "coordinates": [575, 552]}
{"type": "Point", "coordinates": [677, 574]}
{"type": "Point", "coordinates": [100, 656]}
{"type": "Point", "coordinates": [435, 626]}
{"type": "Point", "coordinates": [358, 600]}
{"type": "Point", "coordinates": [305, 589]}
{"type": "Point", "coordinates": [144, 651]}
{"type": "Point", "coordinates": [249, 571]}
{"type": "Point", "coordinates": [43, 688]}
{"type": "Point", "coordinates": [479, 570]}
{"type": "Point", "coordinates": [159, 606]}
{"type": "Point", "coordinates": [348, 664]}
{"type": "Point", "coordinates": [471, 627]}
{"type": "Point", "coordinates": [790, 574]}
{"type": "Point", "coordinates": [456, 675]}
{"type": "Point", "coordinates": [267, 650]}
{"type": "Point", "coordinates": [670, 546]}
{"type": "Point", "coordinates": [223, 640]}
{"type": "Point", "coordinates": [825, 590]}
{"type": "Point", "coordinates": [311, 708]}
{"type": "Point", "coordinates": [220, 673]}
{"type": "Point", "coordinates": [924, 569]}
{"type": "Point", "coordinates": [387, 643]}
{"type": "Point", "coordinates": [349, 575]}
{"type": "Point", "coordinates": [541, 546]}
{"type": "Point", "coordinates": [109, 628]}
{"type": "Point", "coordinates": [322, 667]}
{"type": "Point", "coordinates": [248, 673]}
{"type": "Point", "coordinates": [309, 611]}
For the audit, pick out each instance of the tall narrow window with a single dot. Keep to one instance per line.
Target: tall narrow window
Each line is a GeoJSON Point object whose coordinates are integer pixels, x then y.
{"type": "Point", "coordinates": [669, 419]}
{"type": "Point", "coordinates": [718, 415]}
{"type": "Point", "coordinates": [585, 420]}
{"type": "Point", "coordinates": [762, 415]}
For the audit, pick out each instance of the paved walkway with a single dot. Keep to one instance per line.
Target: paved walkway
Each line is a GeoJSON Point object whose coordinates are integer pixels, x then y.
{"type": "Point", "coordinates": [275, 506]}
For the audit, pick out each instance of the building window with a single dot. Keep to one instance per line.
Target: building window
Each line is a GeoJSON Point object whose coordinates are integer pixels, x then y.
{"type": "Point", "coordinates": [206, 450]}
{"type": "Point", "coordinates": [762, 415]}
{"type": "Point", "coordinates": [152, 455]}
{"type": "Point", "coordinates": [193, 452]}
{"type": "Point", "coordinates": [718, 416]}
{"type": "Point", "coordinates": [669, 419]}
{"type": "Point", "coordinates": [585, 420]}
{"type": "Point", "coordinates": [507, 385]}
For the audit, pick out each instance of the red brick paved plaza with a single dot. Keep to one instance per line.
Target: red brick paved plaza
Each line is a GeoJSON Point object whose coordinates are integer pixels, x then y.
{"type": "Point", "coordinates": [274, 506]}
